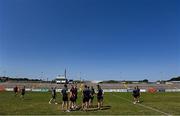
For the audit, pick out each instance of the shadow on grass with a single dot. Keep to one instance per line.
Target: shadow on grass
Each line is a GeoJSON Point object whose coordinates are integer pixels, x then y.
{"type": "Point", "coordinates": [105, 107]}
{"type": "Point", "coordinates": [93, 108]}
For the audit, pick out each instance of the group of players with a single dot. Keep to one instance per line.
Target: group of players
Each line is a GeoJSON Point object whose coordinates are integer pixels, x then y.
{"type": "Point", "coordinates": [69, 98]}
{"type": "Point", "coordinates": [22, 90]}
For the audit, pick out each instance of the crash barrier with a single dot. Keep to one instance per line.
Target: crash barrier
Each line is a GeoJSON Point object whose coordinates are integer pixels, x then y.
{"type": "Point", "coordinates": [29, 89]}
{"type": "Point", "coordinates": [150, 90]}
{"type": "Point", "coordinates": [115, 90]}
{"type": "Point", "coordinates": [161, 90]}
{"type": "Point", "coordinates": [172, 90]}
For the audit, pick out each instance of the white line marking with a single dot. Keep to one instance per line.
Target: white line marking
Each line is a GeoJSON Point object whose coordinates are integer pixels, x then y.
{"type": "Point", "coordinates": [148, 107]}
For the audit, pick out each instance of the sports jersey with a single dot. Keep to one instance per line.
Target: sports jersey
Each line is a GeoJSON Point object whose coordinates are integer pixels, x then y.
{"type": "Point", "coordinates": [75, 91]}
{"type": "Point", "coordinates": [15, 89]}
{"type": "Point", "coordinates": [138, 90]}
{"type": "Point", "coordinates": [92, 91]}
{"type": "Point", "coordinates": [72, 91]}
{"type": "Point", "coordinates": [64, 91]}
{"type": "Point", "coordinates": [135, 92]}
{"type": "Point", "coordinates": [23, 91]}
{"type": "Point", "coordinates": [86, 93]}
{"type": "Point", "coordinates": [65, 94]}
{"type": "Point", "coordinates": [100, 93]}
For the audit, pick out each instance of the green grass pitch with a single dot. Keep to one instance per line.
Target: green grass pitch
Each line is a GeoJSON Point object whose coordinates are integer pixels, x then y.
{"type": "Point", "coordinates": [36, 103]}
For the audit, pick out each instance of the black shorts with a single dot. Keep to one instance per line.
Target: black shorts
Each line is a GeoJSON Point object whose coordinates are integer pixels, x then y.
{"type": "Point", "coordinates": [99, 98]}
{"type": "Point", "coordinates": [85, 99]}
{"type": "Point", "coordinates": [65, 98]}
{"type": "Point", "coordinates": [22, 93]}
{"type": "Point", "coordinates": [73, 99]}
{"type": "Point", "coordinates": [135, 96]}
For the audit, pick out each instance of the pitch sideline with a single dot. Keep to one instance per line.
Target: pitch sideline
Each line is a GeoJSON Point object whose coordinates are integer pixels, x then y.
{"type": "Point", "coordinates": [148, 107]}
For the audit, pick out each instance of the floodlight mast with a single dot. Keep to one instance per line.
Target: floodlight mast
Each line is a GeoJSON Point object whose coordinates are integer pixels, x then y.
{"type": "Point", "coordinates": [65, 73]}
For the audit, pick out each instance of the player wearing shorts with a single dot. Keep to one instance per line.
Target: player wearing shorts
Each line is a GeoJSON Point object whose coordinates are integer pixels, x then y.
{"type": "Point", "coordinates": [86, 97]}
{"type": "Point", "coordinates": [135, 95]}
{"type": "Point", "coordinates": [15, 90]}
{"type": "Point", "coordinates": [138, 93]}
{"type": "Point", "coordinates": [23, 92]}
{"type": "Point", "coordinates": [53, 93]}
{"type": "Point", "coordinates": [92, 92]}
{"type": "Point", "coordinates": [64, 93]}
{"type": "Point", "coordinates": [99, 96]}
{"type": "Point", "coordinates": [72, 97]}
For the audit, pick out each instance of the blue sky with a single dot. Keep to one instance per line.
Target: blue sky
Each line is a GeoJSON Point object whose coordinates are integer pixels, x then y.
{"type": "Point", "coordinates": [102, 39]}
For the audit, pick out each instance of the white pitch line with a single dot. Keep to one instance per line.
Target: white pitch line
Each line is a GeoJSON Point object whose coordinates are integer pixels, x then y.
{"type": "Point", "coordinates": [148, 107]}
